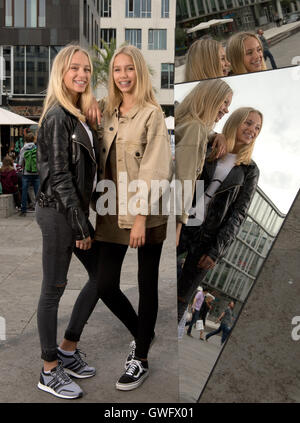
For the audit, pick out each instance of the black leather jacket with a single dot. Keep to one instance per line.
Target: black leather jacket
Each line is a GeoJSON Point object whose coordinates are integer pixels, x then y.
{"type": "Point", "coordinates": [67, 165]}
{"type": "Point", "coordinates": [227, 209]}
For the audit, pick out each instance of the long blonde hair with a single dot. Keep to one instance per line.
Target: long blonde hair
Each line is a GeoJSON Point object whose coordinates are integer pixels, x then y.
{"type": "Point", "coordinates": [230, 130]}
{"type": "Point", "coordinates": [143, 93]}
{"type": "Point", "coordinates": [203, 60]}
{"type": "Point", "coordinates": [57, 92]}
{"type": "Point", "coordinates": [203, 103]}
{"type": "Point", "coordinates": [235, 52]}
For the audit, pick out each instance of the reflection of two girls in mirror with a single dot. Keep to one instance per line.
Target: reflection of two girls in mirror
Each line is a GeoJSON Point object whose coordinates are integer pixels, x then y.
{"type": "Point", "coordinates": [223, 162]}
{"type": "Point", "coordinates": [207, 58]}
{"type": "Point", "coordinates": [132, 138]}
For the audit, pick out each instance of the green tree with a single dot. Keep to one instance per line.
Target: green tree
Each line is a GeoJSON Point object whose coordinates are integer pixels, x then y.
{"type": "Point", "coordinates": [101, 60]}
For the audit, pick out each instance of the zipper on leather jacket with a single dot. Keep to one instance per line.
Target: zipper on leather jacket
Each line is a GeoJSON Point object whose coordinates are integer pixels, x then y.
{"type": "Point", "coordinates": [93, 158]}
{"type": "Point", "coordinates": [76, 214]}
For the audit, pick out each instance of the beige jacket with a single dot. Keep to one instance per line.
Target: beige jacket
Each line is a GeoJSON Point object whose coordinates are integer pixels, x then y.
{"type": "Point", "coordinates": [190, 149]}
{"type": "Point", "coordinates": [143, 153]}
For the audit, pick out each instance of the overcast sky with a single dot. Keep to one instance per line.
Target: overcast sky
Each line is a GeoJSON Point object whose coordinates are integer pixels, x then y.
{"type": "Point", "coordinates": [277, 151]}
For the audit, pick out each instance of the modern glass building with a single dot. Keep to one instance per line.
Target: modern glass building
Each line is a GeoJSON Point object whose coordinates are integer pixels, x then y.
{"type": "Point", "coordinates": [233, 277]}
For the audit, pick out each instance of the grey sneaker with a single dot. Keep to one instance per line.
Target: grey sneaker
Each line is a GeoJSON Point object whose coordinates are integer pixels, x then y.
{"type": "Point", "coordinates": [75, 366]}
{"type": "Point", "coordinates": [58, 383]}
{"type": "Point", "coordinates": [136, 373]}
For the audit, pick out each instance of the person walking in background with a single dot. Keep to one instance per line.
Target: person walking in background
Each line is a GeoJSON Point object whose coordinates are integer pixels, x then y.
{"type": "Point", "coordinates": [30, 176]}
{"type": "Point", "coordinates": [266, 50]}
{"type": "Point", "coordinates": [226, 320]}
{"type": "Point", "coordinates": [197, 304]}
{"type": "Point", "coordinates": [204, 310]}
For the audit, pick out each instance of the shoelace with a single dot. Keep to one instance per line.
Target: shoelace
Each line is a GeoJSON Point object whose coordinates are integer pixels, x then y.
{"type": "Point", "coordinates": [132, 367]}
{"type": "Point", "coordinates": [77, 355]}
{"type": "Point", "coordinates": [61, 374]}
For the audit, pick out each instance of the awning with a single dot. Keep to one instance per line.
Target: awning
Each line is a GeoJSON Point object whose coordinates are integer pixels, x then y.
{"type": "Point", "coordinates": [9, 118]}
{"type": "Point", "coordinates": [205, 25]}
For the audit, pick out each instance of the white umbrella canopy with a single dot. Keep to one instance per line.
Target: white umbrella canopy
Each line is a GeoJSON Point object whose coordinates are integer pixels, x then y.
{"type": "Point", "coordinates": [205, 25]}
{"type": "Point", "coordinates": [10, 118]}
{"type": "Point", "coordinates": [170, 122]}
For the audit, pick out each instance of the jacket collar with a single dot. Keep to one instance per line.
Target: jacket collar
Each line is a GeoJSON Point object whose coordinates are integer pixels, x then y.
{"type": "Point", "coordinates": [80, 135]}
{"type": "Point", "coordinates": [132, 112]}
{"type": "Point", "coordinates": [235, 177]}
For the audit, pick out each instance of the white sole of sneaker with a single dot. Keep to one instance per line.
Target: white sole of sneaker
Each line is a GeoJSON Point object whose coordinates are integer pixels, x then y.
{"type": "Point", "coordinates": [51, 391]}
{"type": "Point", "coordinates": [76, 375]}
{"type": "Point", "coordinates": [132, 385]}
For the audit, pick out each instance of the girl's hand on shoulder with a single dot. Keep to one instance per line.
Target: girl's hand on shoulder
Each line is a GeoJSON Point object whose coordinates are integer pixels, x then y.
{"type": "Point", "coordinates": [138, 232]}
{"type": "Point", "coordinates": [84, 244]}
{"type": "Point", "coordinates": [219, 146]}
{"type": "Point", "coordinates": [93, 114]}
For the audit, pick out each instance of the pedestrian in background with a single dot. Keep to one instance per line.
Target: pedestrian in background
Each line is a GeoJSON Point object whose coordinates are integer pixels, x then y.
{"type": "Point", "coordinates": [197, 304]}
{"type": "Point", "coordinates": [266, 50]}
{"type": "Point", "coordinates": [30, 176]}
{"type": "Point", "coordinates": [226, 319]}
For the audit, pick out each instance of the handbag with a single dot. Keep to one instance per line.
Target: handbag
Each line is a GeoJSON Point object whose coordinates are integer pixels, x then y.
{"type": "Point", "coordinates": [199, 325]}
{"type": "Point", "coordinates": [188, 316]}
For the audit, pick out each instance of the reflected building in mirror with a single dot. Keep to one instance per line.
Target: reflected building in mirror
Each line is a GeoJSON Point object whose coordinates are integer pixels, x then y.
{"type": "Point", "coordinates": [233, 277]}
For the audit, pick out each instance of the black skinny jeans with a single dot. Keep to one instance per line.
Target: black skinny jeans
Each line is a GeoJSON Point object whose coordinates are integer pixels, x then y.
{"type": "Point", "coordinates": [106, 285]}
{"type": "Point", "coordinates": [58, 246]}
{"type": "Point", "coordinates": [190, 276]}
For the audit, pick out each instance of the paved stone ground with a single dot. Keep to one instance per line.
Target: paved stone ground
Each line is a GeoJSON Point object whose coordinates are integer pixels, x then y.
{"type": "Point", "coordinates": [105, 340]}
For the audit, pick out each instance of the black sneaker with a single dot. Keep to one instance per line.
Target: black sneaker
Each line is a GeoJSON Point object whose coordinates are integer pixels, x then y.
{"type": "Point", "coordinates": [59, 384]}
{"type": "Point", "coordinates": [136, 373]}
{"type": "Point", "coordinates": [75, 366]}
{"type": "Point", "coordinates": [132, 347]}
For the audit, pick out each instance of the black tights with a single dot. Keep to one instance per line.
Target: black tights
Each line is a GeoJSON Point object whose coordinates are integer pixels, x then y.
{"type": "Point", "coordinates": [106, 285]}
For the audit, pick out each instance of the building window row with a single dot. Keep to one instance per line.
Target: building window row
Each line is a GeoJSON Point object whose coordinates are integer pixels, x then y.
{"type": "Point", "coordinates": [27, 68]}
{"type": "Point", "coordinates": [157, 38]}
{"type": "Point", "coordinates": [142, 9]}
{"type": "Point", "coordinates": [25, 13]}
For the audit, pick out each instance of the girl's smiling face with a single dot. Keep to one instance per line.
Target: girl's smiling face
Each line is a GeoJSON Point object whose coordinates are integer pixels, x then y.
{"type": "Point", "coordinates": [248, 130]}
{"type": "Point", "coordinates": [253, 54]}
{"type": "Point", "coordinates": [124, 73]}
{"type": "Point", "coordinates": [224, 62]}
{"type": "Point", "coordinates": [224, 107]}
{"type": "Point", "coordinates": [78, 76]}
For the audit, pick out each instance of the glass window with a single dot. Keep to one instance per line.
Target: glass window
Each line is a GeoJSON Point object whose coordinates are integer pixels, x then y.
{"type": "Point", "coordinates": [19, 15]}
{"type": "Point", "coordinates": [107, 35]}
{"type": "Point", "coordinates": [157, 39]}
{"type": "Point", "coordinates": [138, 9]}
{"type": "Point", "coordinates": [200, 7]}
{"type": "Point", "coordinates": [8, 13]}
{"type": "Point", "coordinates": [37, 58]}
{"type": "Point", "coordinates": [31, 13]}
{"type": "Point", "coordinates": [134, 37]}
{"type": "Point", "coordinates": [181, 10]}
{"type": "Point", "coordinates": [19, 70]}
{"type": "Point", "coordinates": [106, 8]}
{"type": "Point", "coordinates": [165, 9]}
{"type": "Point", "coordinates": [167, 75]}
{"type": "Point", "coordinates": [42, 14]}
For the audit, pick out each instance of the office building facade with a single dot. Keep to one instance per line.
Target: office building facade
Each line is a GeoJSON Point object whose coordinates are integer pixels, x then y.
{"type": "Point", "coordinates": [233, 277]}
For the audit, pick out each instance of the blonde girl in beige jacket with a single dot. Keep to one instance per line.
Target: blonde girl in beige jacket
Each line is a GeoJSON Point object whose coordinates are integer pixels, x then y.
{"type": "Point", "coordinates": [206, 59]}
{"type": "Point", "coordinates": [195, 118]}
{"type": "Point", "coordinates": [135, 146]}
